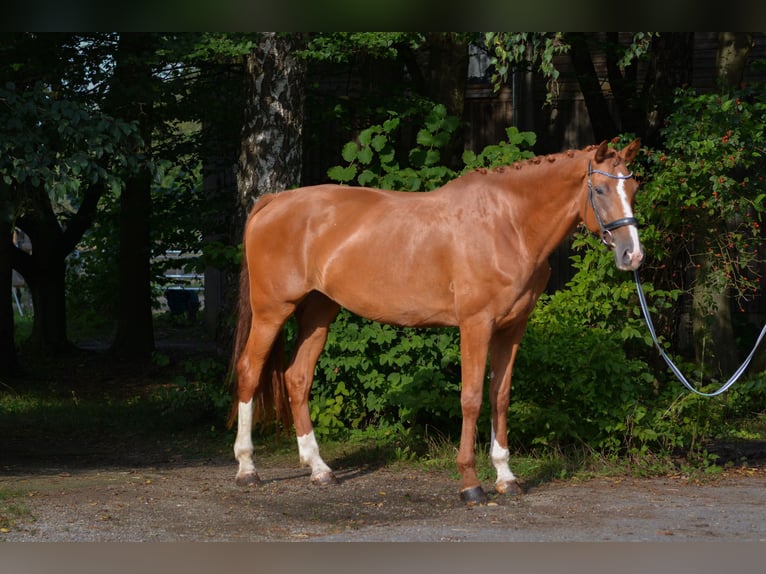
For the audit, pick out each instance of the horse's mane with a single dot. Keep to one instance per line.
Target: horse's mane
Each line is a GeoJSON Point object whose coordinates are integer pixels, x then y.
{"type": "Point", "coordinates": [536, 160]}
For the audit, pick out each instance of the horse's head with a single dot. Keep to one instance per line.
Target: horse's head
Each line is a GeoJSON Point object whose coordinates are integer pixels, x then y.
{"type": "Point", "coordinates": [608, 206]}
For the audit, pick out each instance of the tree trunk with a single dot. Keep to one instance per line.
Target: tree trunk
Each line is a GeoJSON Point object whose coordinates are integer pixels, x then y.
{"type": "Point", "coordinates": [44, 271]}
{"type": "Point", "coordinates": [713, 331]}
{"type": "Point", "coordinates": [602, 123]}
{"type": "Point", "coordinates": [271, 142]}
{"type": "Point", "coordinates": [714, 343]}
{"type": "Point", "coordinates": [731, 58]}
{"type": "Point", "coordinates": [8, 359]}
{"type": "Point", "coordinates": [670, 68]}
{"type": "Point", "coordinates": [221, 94]}
{"type": "Point", "coordinates": [445, 82]}
{"type": "Point", "coordinates": [271, 146]}
{"type": "Point", "coordinates": [131, 99]}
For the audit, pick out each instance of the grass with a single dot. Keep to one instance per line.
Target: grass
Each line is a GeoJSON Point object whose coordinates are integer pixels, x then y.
{"type": "Point", "coordinates": [12, 508]}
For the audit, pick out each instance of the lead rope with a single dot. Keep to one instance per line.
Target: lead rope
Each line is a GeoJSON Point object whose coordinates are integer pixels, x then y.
{"type": "Point", "coordinates": [676, 372]}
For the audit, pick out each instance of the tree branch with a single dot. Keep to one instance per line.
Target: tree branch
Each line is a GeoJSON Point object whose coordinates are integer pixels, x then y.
{"type": "Point", "coordinates": [83, 219]}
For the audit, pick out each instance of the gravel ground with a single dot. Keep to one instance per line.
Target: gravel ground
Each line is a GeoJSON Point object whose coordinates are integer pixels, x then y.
{"type": "Point", "coordinates": [199, 502]}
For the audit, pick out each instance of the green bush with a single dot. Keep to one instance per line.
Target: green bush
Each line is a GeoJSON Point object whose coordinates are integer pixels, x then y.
{"type": "Point", "coordinates": [375, 374]}
{"type": "Point", "coordinates": [574, 384]}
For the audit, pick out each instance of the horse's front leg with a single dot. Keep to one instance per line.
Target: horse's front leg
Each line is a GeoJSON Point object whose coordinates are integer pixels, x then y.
{"type": "Point", "coordinates": [503, 348]}
{"type": "Point", "coordinates": [474, 339]}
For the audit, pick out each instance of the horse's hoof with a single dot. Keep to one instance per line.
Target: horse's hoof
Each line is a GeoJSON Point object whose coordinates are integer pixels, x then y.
{"type": "Point", "coordinates": [509, 487]}
{"type": "Point", "coordinates": [323, 478]}
{"type": "Point", "coordinates": [249, 479]}
{"type": "Point", "coordinates": [473, 496]}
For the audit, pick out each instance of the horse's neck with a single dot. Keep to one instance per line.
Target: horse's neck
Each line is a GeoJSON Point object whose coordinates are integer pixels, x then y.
{"type": "Point", "coordinates": [549, 201]}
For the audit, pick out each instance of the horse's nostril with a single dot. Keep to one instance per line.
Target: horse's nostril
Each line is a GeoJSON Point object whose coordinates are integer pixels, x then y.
{"type": "Point", "coordinates": [632, 258]}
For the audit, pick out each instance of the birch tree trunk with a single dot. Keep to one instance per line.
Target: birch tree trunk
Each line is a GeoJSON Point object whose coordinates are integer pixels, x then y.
{"type": "Point", "coordinates": [271, 142]}
{"type": "Point", "coordinates": [271, 148]}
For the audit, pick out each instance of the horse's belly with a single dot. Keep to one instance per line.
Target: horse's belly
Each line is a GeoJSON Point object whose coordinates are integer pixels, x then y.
{"type": "Point", "coordinates": [396, 301]}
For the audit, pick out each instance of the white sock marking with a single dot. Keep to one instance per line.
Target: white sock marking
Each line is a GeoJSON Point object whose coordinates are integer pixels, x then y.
{"type": "Point", "coordinates": [243, 445]}
{"type": "Point", "coordinates": [500, 458]}
{"type": "Point", "coordinates": [308, 451]}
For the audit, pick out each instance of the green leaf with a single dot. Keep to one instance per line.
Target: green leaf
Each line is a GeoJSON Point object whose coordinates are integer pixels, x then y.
{"type": "Point", "coordinates": [426, 138]}
{"type": "Point", "coordinates": [469, 158]}
{"type": "Point", "coordinates": [350, 151]}
{"type": "Point", "coordinates": [417, 157]}
{"type": "Point", "coordinates": [432, 157]}
{"type": "Point", "coordinates": [366, 178]}
{"type": "Point", "coordinates": [378, 142]}
{"type": "Point", "coordinates": [390, 125]}
{"type": "Point", "coordinates": [365, 137]}
{"type": "Point", "coordinates": [364, 155]}
{"type": "Point", "coordinates": [451, 123]}
{"type": "Point", "coordinates": [342, 174]}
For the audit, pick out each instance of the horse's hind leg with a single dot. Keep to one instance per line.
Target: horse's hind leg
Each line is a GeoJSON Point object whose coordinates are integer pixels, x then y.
{"type": "Point", "coordinates": [314, 315]}
{"type": "Point", "coordinates": [249, 367]}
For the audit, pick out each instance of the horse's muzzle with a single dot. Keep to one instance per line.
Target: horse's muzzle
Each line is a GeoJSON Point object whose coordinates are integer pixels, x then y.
{"type": "Point", "coordinates": [628, 257]}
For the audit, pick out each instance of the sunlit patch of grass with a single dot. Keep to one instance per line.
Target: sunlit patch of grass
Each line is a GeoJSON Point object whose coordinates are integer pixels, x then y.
{"type": "Point", "coordinates": [534, 467]}
{"type": "Point", "coordinates": [12, 508]}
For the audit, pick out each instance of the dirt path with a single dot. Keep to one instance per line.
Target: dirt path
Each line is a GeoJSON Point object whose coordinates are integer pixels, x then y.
{"type": "Point", "coordinates": [196, 502]}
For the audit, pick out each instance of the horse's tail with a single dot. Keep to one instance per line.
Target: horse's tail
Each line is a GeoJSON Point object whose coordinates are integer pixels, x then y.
{"type": "Point", "coordinates": [270, 401]}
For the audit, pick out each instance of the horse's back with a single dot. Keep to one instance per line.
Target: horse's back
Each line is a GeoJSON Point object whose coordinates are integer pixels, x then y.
{"type": "Point", "coordinates": [365, 248]}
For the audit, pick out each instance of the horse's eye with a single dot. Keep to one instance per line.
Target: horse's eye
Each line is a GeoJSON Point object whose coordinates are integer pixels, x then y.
{"type": "Point", "coordinates": [600, 190]}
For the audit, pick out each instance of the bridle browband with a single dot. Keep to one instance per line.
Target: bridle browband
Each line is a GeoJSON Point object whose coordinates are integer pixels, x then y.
{"type": "Point", "coordinates": [606, 228]}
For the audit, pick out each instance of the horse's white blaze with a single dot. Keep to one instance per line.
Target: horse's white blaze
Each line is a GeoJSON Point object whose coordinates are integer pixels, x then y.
{"type": "Point", "coordinates": [243, 445]}
{"type": "Point", "coordinates": [308, 451]}
{"type": "Point", "coordinates": [627, 212]}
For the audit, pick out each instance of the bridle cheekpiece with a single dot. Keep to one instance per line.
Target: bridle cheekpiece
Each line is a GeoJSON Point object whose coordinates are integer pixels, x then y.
{"type": "Point", "coordinates": [607, 228]}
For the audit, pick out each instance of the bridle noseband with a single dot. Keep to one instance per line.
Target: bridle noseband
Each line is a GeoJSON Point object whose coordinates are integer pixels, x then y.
{"type": "Point", "coordinates": [607, 228]}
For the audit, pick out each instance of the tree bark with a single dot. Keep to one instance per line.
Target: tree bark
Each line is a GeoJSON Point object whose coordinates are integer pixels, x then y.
{"type": "Point", "coordinates": [221, 92]}
{"type": "Point", "coordinates": [271, 141]}
{"type": "Point", "coordinates": [731, 58]}
{"type": "Point", "coordinates": [445, 83]}
{"type": "Point", "coordinates": [131, 98]}
{"type": "Point", "coordinates": [602, 123]}
{"type": "Point", "coordinates": [271, 146]}
{"type": "Point", "coordinates": [670, 68]}
{"type": "Point", "coordinates": [44, 271]}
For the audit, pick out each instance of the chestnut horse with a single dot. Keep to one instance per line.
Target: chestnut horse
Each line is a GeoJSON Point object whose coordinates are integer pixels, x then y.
{"type": "Point", "coordinates": [472, 254]}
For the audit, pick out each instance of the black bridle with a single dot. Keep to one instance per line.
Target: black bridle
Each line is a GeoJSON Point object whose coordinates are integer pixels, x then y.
{"type": "Point", "coordinates": [607, 228]}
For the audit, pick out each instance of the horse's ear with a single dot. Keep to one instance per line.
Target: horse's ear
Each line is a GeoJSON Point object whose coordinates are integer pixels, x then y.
{"type": "Point", "coordinates": [602, 152]}
{"type": "Point", "coordinates": [630, 150]}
